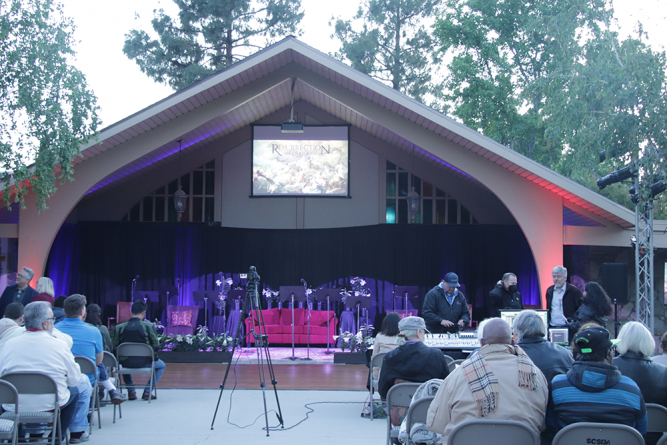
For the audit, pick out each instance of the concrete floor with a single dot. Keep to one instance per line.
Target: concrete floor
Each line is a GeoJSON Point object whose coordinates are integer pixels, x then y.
{"type": "Point", "coordinates": [184, 417]}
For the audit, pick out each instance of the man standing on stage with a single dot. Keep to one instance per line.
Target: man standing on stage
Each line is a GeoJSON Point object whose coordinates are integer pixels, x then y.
{"type": "Point", "coordinates": [445, 307]}
{"type": "Point", "coordinates": [563, 299]}
{"type": "Point", "coordinates": [21, 292]}
{"type": "Point", "coordinates": [505, 295]}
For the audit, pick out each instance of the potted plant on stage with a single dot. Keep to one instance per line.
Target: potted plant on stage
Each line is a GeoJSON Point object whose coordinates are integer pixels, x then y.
{"type": "Point", "coordinates": [197, 348]}
{"type": "Point", "coordinates": [356, 346]}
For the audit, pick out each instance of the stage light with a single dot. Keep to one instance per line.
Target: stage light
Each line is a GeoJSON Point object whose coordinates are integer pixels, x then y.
{"type": "Point", "coordinates": [617, 176]}
{"type": "Point", "coordinates": [658, 188]}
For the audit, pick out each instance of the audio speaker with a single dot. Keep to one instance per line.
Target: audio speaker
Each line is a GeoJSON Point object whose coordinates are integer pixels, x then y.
{"type": "Point", "coordinates": [615, 281]}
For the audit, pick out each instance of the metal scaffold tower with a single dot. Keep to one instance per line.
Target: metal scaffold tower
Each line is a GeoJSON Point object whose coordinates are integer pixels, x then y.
{"type": "Point", "coordinates": [643, 245]}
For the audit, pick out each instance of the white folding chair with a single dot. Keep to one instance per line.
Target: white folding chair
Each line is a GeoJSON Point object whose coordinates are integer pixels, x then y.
{"type": "Point", "coordinates": [398, 395]}
{"type": "Point", "coordinates": [417, 414]}
{"type": "Point", "coordinates": [36, 383]}
{"type": "Point", "coordinates": [376, 362]}
{"type": "Point", "coordinates": [127, 350]}
{"type": "Point", "coordinates": [9, 426]}
{"type": "Point", "coordinates": [497, 432]}
{"type": "Point", "coordinates": [589, 432]}
{"type": "Point", "coordinates": [109, 361]}
{"type": "Point", "coordinates": [88, 367]}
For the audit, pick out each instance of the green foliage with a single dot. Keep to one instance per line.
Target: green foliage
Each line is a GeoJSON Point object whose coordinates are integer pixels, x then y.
{"type": "Point", "coordinates": [549, 79]}
{"type": "Point", "coordinates": [354, 343]}
{"type": "Point", "coordinates": [198, 342]}
{"type": "Point", "coordinates": [46, 109]}
{"type": "Point", "coordinates": [208, 35]}
{"type": "Point", "coordinates": [393, 45]}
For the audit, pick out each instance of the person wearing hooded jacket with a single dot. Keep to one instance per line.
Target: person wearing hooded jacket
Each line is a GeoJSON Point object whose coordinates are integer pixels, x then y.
{"type": "Point", "coordinates": [594, 390]}
{"type": "Point", "coordinates": [413, 361]}
{"type": "Point", "coordinates": [505, 295]}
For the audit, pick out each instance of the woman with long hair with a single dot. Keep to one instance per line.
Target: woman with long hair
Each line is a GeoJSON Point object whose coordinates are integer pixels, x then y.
{"type": "Point", "coordinates": [595, 308]}
{"type": "Point", "coordinates": [387, 339]}
{"type": "Point", "coordinates": [94, 317]}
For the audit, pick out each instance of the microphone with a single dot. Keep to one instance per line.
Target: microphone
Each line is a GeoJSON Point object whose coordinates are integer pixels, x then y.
{"type": "Point", "coordinates": [303, 281]}
{"type": "Point", "coordinates": [136, 278]}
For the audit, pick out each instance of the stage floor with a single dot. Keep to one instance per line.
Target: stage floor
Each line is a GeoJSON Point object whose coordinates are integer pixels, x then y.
{"type": "Point", "coordinates": [317, 374]}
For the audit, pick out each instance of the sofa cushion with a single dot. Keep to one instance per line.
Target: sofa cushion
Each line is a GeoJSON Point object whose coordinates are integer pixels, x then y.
{"type": "Point", "coordinates": [271, 316]}
{"type": "Point", "coordinates": [319, 318]}
{"type": "Point", "coordinates": [286, 317]}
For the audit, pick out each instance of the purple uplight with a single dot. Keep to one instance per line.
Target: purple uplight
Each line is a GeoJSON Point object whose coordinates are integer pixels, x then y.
{"type": "Point", "coordinates": [152, 158]}
{"type": "Point", "coordinates": [446, 164]}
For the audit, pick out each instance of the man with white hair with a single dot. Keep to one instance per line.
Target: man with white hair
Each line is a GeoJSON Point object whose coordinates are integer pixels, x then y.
{"type": "Point", "coordinates": [530, 333]}
{"type": "Point", "coordinates": [37, 350]}
{"type": "Point", "coordinates": [563, 299]}
{"type": "Point", "coordinates": [21, 292]}
{"type": "Point", "coordinates": [499, 381]}
{"type": "Point", "coordinates": [413, 361]}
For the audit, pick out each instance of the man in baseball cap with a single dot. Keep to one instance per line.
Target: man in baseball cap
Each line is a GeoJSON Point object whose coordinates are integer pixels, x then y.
{"type": "Point", "coordinates": [594, 390]}
{"type": "Point", "coordinates": [445, 307]}
{"type": "Point", "coordinates": [413, 361]}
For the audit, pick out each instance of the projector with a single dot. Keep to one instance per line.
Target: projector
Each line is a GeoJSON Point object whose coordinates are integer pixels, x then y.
{"type": "Point", "coordinates": [291, 127]}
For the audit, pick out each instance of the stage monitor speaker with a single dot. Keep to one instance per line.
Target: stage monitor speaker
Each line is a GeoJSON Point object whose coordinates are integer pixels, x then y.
{"type": "Point", "coordinates": [615, 281]}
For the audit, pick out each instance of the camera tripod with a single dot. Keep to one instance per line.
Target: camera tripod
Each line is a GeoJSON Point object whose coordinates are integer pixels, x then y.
{"type": "Point", "coordinates": [250, 306]}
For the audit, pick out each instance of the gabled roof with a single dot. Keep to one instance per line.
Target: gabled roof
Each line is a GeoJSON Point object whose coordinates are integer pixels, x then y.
{"type": "Point", "coordinates": [292, 51]}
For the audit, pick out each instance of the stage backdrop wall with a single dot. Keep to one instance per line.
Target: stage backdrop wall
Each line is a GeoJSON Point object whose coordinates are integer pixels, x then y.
{"type": "Point", "coordinates": [100, 259]}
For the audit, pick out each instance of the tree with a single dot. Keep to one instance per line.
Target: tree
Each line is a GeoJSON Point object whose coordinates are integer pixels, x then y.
{"type": "Point", "coordinates": [46, 109]}
{"type": "Point", "coordinates": [208, 36]}
{"type": "Point", "coordinates": [393, 45]}
{"type": "Point", "coordinates": [552, 81]}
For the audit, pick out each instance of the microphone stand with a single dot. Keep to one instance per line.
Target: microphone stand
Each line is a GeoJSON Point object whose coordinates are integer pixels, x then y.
{"type": "Point", "coordinates": [293, 357]}
{"type": "Point", "coordinates": [305, 286]}
{"type": "Point", "coordinates": [134, 283]}
{"type": "Point", "coordinates": [616, 323]}
{"type": "Point", "coordinates": [328, 336]}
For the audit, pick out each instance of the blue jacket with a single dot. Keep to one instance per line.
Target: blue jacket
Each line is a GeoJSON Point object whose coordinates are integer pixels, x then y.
{"type": "Point", "coordinates": [596, 392]}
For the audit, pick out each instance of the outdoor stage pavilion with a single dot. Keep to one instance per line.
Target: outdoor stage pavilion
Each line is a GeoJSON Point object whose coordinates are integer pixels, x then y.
{"type": "Point", "coordinates": [485, 208]}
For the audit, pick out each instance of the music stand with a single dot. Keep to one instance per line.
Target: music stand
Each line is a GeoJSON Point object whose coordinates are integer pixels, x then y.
{"type": "Point", "coordinates": [405, 292]}
{"type": "Point", "coordinates": [330, 295]}
{"type": "Point", "coordinates": [297, 293]}
{"type": "Point", "coordinates": [359, 303]}
{"type": "Point", "coordinates": [198, 296]}
{"type": "Point", "coordinates": [237, 295]}
{"type": "Point", "coordinates": [152, 296]}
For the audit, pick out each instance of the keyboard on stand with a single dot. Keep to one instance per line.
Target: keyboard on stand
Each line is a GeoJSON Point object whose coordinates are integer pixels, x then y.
{"type": "Point", "coordinates": [463, 341]}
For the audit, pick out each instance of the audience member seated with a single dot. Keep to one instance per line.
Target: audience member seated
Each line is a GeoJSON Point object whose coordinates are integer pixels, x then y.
{"type": "Point", "coordinates": [94, 317]}
{"type": "Point", "coordinates": [474, 389]}
{"type": "Point", "coordinates": [37, 350]}
{"type": "Point", "coordinates": [21, 292]}
{"type": "Point", "coordinates": [412, 361]}
{"type": "Point", "coordinates": [662, 358]}
{"type": "Point", "coordinates": [58, 305]}
{"type": "Point", "coordinates": [10, 324]}
{"type": "Point", "coordinates": [87, 342]}
{"type": "Point", "coordinates": [45, 291]}
{"type": "Point", "coordinates": [594, 390]}
{"type": "Point", "coordinates": [387, 339]}
{"type": "Point", "coordinates": [138, 331]}
{"type": "Point", "coordinates": [550, 358]}
{"type": "Point", "coordinates": [636, 345]}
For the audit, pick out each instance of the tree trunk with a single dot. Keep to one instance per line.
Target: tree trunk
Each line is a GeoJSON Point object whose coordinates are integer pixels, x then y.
{"type": "Point", "coordinates": [396, 77]}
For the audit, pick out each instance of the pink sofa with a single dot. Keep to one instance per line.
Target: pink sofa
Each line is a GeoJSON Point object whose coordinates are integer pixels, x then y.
{"type": "Point", "coordinates": [279, 326]}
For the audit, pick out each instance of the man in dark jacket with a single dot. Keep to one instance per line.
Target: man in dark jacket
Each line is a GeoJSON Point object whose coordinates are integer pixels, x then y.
{"type": "Point", "coordinates": [550, 358]}
{"type": "Point", "coordinates": [21, 292]}
{"type": "Point", "coordinates": [505, 295]}
{"type": "Point", "coordinates": [594, 390]}
{"type": "Point", "coordinates": [413, 361]}
{"type": "Point", "coordinates": [138, 331]}
{"type": "Point", "coordinates": [563, 299]}
{"type": "Point", "coordinates": [445, 308]}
